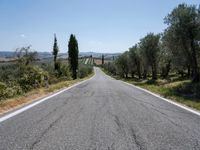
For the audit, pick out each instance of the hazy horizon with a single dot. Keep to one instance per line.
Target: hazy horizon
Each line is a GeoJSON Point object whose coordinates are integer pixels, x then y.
{"type": "Point", "coordinates": [100, 26]}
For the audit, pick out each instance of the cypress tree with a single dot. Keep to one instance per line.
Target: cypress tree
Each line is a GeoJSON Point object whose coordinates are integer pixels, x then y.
{"type": "Point", "coordinates": [102, 59]}
{"type": "Point", "coordinates": [73, 55]}
{"type": "Point", "coordinates": [55, 52]}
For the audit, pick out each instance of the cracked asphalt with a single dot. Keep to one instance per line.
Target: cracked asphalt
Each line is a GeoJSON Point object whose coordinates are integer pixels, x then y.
{"type": "Point", "coordinates": [102, 114]}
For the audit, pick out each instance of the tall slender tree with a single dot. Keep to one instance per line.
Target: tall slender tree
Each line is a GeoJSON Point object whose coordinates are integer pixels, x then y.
{"type": "Point", "coordinates": [102, 59]}
{"type": "Point", "coordinates": [55, 51]}
{"type": "Point", "coordinates": [73, 55]}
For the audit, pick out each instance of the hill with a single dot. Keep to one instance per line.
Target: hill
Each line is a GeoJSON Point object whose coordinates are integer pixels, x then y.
{"type": "Point", "coordinates": [6, 55]}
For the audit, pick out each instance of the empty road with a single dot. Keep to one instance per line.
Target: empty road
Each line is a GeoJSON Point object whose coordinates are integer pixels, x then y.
{"type": "Point", "coordinates": [102, 114]}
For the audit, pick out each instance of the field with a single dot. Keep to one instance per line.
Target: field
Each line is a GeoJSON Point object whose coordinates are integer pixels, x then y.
{"type": "Point", "coordinates": [98, 61]}
{"type": "Point", "coordinates": [86, 60]}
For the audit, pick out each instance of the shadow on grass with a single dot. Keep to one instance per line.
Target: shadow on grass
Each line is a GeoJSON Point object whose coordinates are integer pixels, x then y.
{"type": "Point", "coordinates": [182, 90]}
{"type": "Point", "coordinates": [188, 90]}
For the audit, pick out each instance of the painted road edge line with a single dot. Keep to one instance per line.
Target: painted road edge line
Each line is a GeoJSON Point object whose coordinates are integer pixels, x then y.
{"type": "Point", "coordinates": [160, 97]}
{"type": "Point", "coordinates": [165, 99]}
{"type": "Point", "coordinates": [12, 114]}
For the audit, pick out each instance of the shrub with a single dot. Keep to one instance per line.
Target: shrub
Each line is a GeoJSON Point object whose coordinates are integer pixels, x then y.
{"type": "Point", "coordinates": [9, 92]}
{"type": "Point", "coordinates": [63, 70]}
{"type": "Point", "coordinates": [110, 67]}
{"type": "Point", "coordinates": [9, 72]}
{"type": "Point", "coordinates": [61, 73]}
{"type": "Point", "coordinates": [32, 77]}
{"type": "Point", "coordinates": [2, 90]}
{"type": "Point", "coordinates": [84, 70]}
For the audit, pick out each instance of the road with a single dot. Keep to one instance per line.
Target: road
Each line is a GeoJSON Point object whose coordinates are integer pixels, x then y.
{"type": "Point", "coordinates": [102, 114]}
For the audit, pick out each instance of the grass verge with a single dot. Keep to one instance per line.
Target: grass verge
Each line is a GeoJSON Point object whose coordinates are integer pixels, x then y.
{"type": "Point", "coordinates": [182, 91]}
{"type": "Point", "coordinates": [36, 94]}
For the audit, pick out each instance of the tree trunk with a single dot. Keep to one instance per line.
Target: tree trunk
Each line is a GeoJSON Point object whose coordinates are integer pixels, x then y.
{"type": "Point", "coordinates": [138, 71]}
{"type": "Point", "coordinates": [145, 74]}
{"type": "Point", "coordinates": [132, 74]}
{"type": "Point", "coordinates": [168, 67]}
{"type": "Point", "coordinates": [55, 66]}
{"type": "Point", "coordinates": [194, 63]}
{"type": "Point", "coordinates": [126, 75]}
{"type": "Point", "coordinates": [188, 71]}
{"type": "Point", "coordinates": [154, 72]}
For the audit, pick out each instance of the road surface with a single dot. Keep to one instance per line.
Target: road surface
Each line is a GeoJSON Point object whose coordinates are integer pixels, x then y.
{"type": "Point", "coordinates": [102, 114]}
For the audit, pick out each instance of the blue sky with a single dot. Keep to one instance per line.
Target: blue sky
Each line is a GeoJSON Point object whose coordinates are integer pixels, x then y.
{"type": "Point", "coordinates": [99, 25]}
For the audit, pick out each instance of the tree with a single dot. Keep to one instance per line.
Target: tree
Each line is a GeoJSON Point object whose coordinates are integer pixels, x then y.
{"type": "Point", "coordinates": [165, 60]}
{"type": "Point", "coordinates": [184, 24]}
{"type": "Point", "coordinates": [122, 64]}
{"type": "Point", "coordinates": [102, 59]}
{"type": "Point", "coordinates": [25, 55]}
{"type": "Point", "coordinates": [150, 47]}
{"type": "Point", "coordinates": [135, 60]}
{"type": "Point", "coordinates": [73, 55]}
{"type": "Point", "coordinates": [55, 52]}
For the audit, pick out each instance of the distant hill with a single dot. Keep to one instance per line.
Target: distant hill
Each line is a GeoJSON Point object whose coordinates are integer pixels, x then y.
{"type": "Point", "coordinates": [7, 54]}
{"type": "Point", "coordinates": [48, 55]}
{"type": "Point", "coordinates": [99, 55]}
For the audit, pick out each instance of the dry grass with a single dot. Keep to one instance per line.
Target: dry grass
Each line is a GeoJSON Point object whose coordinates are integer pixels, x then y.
{"type": "Point", "coordinates": [98, 61]}
{"type": "Point", "coordinates": [34, 95]}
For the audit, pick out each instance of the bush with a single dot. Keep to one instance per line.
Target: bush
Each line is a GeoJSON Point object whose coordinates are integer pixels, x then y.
{"type": "Point", "coordinates": [63, 70]}
{"type": "Point", "coordinates": [2, 90]}
{"type": "Point", "coordinates": [61, 73]}
{"type": "Point", "coordinates": [9, 92]}
{"type": "Point", "coordinates": [110, 67]}
{"type": "Point", "coordinates": [9, 72]}
{"type": "Point", "coordinates": [12, 91]}
{"type": "Point", "coordinates": [32, 77]}
{"type": "Point", "coordinates": [84, 70]}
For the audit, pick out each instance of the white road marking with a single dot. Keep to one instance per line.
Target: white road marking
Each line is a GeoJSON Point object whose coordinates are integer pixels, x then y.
{"type": "Point", "coordinates": [165, 99]}
{"type": "Point", "coordinates": [162, 98]}
{"type": "Point", "coordinates": [10, 115]}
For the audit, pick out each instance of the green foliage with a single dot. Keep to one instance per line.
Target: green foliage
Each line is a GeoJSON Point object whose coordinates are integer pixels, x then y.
{"type": "Point", "coordinates": [150, 51]}
{"type": "Point", "coordinates": [178, 50]}
{"type": "Point", "coordinates": [184, 30]}
{"type": "Point", "coordinates": [84, 70]}
{"type": "Point", "coordinates": [55, 51]}
{"type": "Point", "coordinates": [9, 92]}
{"type": "Point", "coordinates": [9, 72]}
{"type": "Point", "coordinates": [2, 86]}
{"type": "Point", "coordinates": [62, 70]}
{"type": "Point", "coordinates": [73, 55]}
{"type": "Point", "coordinates": [32, 77]}
{"type": "Point", "coordinates": [25, 55]}
{"type": "Point", "coordinates": [135, 61]}
{"type": "Point", "coordinates": [102, 59]}
{"type": "Point", "coordinates": [122, 65]}
{"type": "Point", "coordinates": [110, 67]}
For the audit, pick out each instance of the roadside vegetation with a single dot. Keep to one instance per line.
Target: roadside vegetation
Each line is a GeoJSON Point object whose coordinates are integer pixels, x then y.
{"type": "Point", "coordinates": [28, 73]}
{"type": "Point", "coordinates": [167, 63]}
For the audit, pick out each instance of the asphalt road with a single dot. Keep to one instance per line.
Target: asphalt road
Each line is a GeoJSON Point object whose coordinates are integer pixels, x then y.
{"type": "Point", "coordinates": [102, 114]}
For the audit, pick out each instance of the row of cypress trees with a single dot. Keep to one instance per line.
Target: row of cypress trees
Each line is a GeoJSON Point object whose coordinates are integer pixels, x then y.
{"type": "Point", "coordinates": [73, 53]}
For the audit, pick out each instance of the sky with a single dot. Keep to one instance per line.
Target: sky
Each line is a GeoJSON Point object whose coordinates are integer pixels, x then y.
{"type": "Point", "coordinates": [105, 26]}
